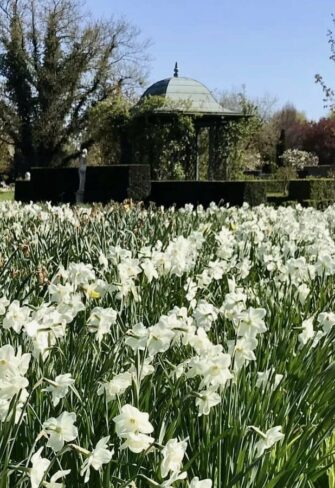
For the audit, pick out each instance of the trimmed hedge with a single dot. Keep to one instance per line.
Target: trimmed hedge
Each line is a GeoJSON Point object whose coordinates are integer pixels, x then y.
{"type": "Point", "coordinates": [321, 170]}
{"type": "Point", "coordinates": [275, 186]}
{"type": "Point", "coordinates": [277, 200]}
{"type": "Point", "coordinates": [56, 185]}
{"type": "Point", "coordinates": [271, 185]}
{"type": "Point", "coordinates": [23, 191]}
{"type": "Point", "coordinates": [318, 189]}
{"type": "Point", "coordinates": [103, 183]}
{"type": "Point", "coordinates": [119, 182]}
{"type": "Point", "coordinates": [168, 193]}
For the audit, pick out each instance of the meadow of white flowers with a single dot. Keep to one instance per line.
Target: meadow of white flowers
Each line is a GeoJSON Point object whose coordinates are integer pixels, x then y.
{"type": "Point", "coordinates": [166, 348]}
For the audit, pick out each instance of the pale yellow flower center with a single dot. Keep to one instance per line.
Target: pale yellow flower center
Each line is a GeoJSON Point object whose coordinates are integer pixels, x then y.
{"type": "Point", "coordinates": [215, 370]}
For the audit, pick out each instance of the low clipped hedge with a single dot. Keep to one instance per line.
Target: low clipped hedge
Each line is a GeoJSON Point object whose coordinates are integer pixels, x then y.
{"type": "Point", "coordinates": [132, 181]}
{"type": "Point", "coordinates": [23, 191]}
{"type": "Point", "coordinates": [318, 204]}
{"type": "Point", "coordinates": [179, 193]}
{"type": "Point", "coordinates": [312, 189]}
{"type": "Point", "coordinates": [322, 170]}
{"type": "Point", "coordinates": [56, 185]}
{"type": "Point", "coordinates": [271, 185]}
{"type": "Point", "coordinates": [119, 182]}
{"type": "Point", "coordinates": [275, 186]}
{"type": "Point", "coordinates": [103, 184]}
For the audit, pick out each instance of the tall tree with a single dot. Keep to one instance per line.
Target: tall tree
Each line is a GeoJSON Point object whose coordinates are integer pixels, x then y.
{"type": "Point", "coordinates": [55, 65]}
{"type": "Point", "coordinates": [328, 92]}
{"type": "Point", "coordinates": [319, 138]}
{"type": "Point", "coordinates": [292, 121]}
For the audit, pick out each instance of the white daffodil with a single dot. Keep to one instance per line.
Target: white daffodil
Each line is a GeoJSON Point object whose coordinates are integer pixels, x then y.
{"type": "Point", "coordinates": [3, 305]}
{"type": "Point", "coordinates": [205, 314]}
{"type": "Point", "coordinates": [326, 321]}
{"type": "Point", "coordinates": [173, 454]}
{"type": "Point", "coordinates": [251, 323]}
{"type": "Point", "coordinates": [264, 376]}
{"type": "Point", "coordinates": [16, 316]}
{"type": "Point", "coordinates": [6, 415]}
{"type": "Point", "coordinates": [173, 478]}
{"type": "Point", "coordinates": [59, 387]}
{"type": "Point", "coordinates": [303, 292]}
{"type": "Point", "coordinates": [80, 273]}
{"type": "Point", "coordinates": [242, 351]}
{"type": "Point", "coordinates": [60, 293]}
{"type": "Point", "coordinates": [12, 381]}
{"type": "Point", "coordinates": [137, 337]}
{"type": "Point", "coordinates": [11, 386]}
{"type": "Point", "coordinates": [271, 437]}
{"type": "Point", "coordinates": [217, 372]}
{"type": "Point", "coordinates": [308, 331]}
{"type": "Point", "coordinates": [38, 469]}
{"type": "Point", "coordinates": [133, 425]}
{"type": "Point", "coordinates": [53, 483]}
{"type": "Point", "coordinates": [137, 442]}
{"type": "Point", "coordinates": [128, 269]}
{"type": "Point", "coordinates": [115, 387]}
{"type": "Point", "coordinates": [191, 288]}
{"type": "Point", "coordinates": [132, 420]}
{"type": "Point", "coordinates": [159, 339]}
{"type": "Point", "coordinates": [149, 269]}
{"type": "Point", "coordinates": [60, 430]}
{"type": "Point", "coordinates": [206, 400]}
{"type": "Point", "coordinates": [196, 483]}
{"type": "Point", "coordinates": [103, 261]}
{"type": "Point", "coordinates": [142, 370]}
{"type": "Point", "coordinates": [101, 320]}
{"type": "Point", "coordinates": [70, 310]}
{"type": "Point", "coordinates": [99, 456]}
{"type": "Point", "coordinates": [11, 363]}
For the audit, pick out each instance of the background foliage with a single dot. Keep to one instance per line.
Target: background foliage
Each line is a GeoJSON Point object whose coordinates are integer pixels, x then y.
{"type": "Point", "coordinates": [55, 64]}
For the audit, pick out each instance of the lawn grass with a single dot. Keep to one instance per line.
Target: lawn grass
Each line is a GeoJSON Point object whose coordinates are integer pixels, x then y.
{"type": "Point", "coordinates": [7, 195]}
{"type": "Point", "coordinates": [276, 194]}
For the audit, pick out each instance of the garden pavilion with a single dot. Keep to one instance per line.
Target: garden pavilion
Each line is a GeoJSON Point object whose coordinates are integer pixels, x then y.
{"type": "Point", "coordinates": [190, 97]}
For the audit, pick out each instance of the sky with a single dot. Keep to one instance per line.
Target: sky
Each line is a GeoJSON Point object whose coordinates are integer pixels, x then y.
{"type": "Point", "coordinates": [272, 47]}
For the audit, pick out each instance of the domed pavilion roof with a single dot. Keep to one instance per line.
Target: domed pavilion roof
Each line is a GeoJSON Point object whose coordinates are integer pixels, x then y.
{"type": "Point", "coordinates": [187, 95]}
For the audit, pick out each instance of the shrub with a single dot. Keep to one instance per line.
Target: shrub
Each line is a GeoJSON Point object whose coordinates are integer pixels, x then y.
{"type": "Point", "coordinates": [316, 189]}
{"type": "Point", "coordinates": [296, 159]}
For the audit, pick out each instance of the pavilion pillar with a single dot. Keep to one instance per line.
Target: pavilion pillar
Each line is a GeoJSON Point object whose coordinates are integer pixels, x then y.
{"type": "Point", "coordinates": [211, 152]}
{"type": "Point", "coordinates": [126, 156]}
{"type": "Point", "coordinates": [223, 156]}
{"type": "Point", "coordinates": [197, 152]}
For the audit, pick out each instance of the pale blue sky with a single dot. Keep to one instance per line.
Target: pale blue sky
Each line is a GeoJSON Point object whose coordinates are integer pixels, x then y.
{"type": "Point", "coordinates": [273, 47]}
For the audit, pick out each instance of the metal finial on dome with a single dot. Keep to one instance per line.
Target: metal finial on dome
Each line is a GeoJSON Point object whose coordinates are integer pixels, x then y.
{"type": "Point", "coordinates": [176, 70]}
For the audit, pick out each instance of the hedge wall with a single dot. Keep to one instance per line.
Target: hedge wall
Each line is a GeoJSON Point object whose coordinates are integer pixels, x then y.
{"type": "Point", "coordinates": [23, 191]}
{"type": "Point", "coordinates": [57, 185]}
{"type": "Point", "coordinates": [318, 189]}
{"type": "Point", "coordinates": [103, 183]}
{"type": "Point", "coordinates": [118, 182]}
{"type": "Point", "coordinates": [322, 170]}
{"type": "Point", "coordinates": [275, 186]}
{"type": "Point", "coordinates": [179, 193]}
